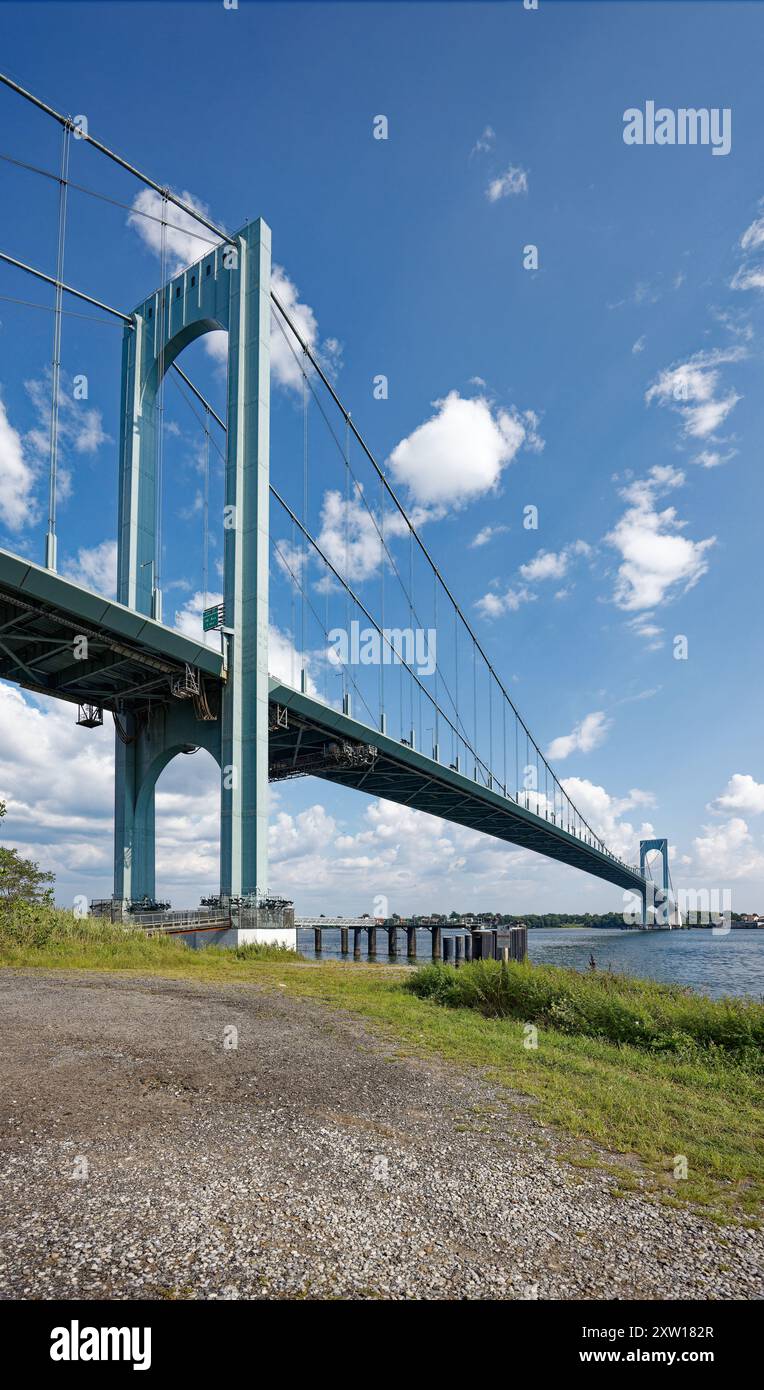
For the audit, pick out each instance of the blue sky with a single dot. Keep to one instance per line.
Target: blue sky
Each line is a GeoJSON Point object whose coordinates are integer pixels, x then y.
{"type": "Point", "coordinates": [632, 355]}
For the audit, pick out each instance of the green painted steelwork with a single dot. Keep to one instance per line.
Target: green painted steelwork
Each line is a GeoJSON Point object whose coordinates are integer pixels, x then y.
{"type": "Point", "coordinates": [227, 288]}
{"type": "Point", "coordinates": [402, 774]}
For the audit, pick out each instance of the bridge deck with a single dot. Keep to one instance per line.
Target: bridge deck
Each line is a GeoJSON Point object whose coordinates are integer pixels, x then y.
{"type": "Point", "coordinates": [402, 774]}
{"type": "Point", "coordinates": [132, 661]}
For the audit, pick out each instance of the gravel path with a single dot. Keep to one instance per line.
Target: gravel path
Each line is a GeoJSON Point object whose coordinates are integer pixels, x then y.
{"type": "Point", "coordinates": [140, 1157]}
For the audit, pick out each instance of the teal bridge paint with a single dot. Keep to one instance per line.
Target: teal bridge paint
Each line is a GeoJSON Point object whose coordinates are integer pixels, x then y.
{"type": "Point", "coordinates": [169, 693]}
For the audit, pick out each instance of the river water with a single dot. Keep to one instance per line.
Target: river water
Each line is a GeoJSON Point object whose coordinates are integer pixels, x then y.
{"type": "Point", "coordinates": [731, 963]}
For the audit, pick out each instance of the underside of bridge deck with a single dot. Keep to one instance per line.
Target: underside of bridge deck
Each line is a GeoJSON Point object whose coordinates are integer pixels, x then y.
{"type": "Point", "coordinates": [310, 738]}
{"type": "Point", "coordinates": [60, 639]}
{"type": "Point", "coordinates": [128, 663]}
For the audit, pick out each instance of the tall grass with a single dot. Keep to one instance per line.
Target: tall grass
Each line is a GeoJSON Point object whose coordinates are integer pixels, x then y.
{"type": "Point", "coordinates": [37, 935]}
{"type": "Point", "coordinates": [639, 1013]}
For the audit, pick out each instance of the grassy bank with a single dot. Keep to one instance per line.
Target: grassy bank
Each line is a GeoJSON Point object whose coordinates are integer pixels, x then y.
{"type": "Point", "coordinates": [685, 1083]}
{"type": "Point", "coordinates": [36, 935]}
{"type": "Point", "coordinates": [637, 1013]}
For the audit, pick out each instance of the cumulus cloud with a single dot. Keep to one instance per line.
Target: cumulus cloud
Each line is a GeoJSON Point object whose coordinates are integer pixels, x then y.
{"type": "Point", "coordinates": [18, 507]}
{"type": "Point", "coordinates": [95, 568]}
{"type": "Point", "coordinates": [460, 452]}
{"type": "Point", "coordinates": [287, 357]}
{"type": "Point", "coordinates": [742, 793]}
{"type": "Point", "coordinates": [727, 852]}
{"type": "Point", "coordinates": [657, 561]}
{"type": "Point", "coordinates": [494, 605]}
{"type": "Point", "coordinates": [508, 185]}
{"type": "Point", "coordinates": [585, 736]}
{"type": "Point", "coordinates": [550, 564]}
{"type": "Point", "coordinates": [185, 239]}
{"type": "Point", "coordinates": [546, 564]}
{"type": "Point", "coordinates": [605, 815]}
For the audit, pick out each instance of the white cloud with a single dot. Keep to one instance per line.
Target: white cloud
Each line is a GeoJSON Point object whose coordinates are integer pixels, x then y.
{"type": "Point", "coordinates": [651, 633]}
{"type": "Point", "coordinates": [748, 277]}
{"type": "Point", "coordinates": [753, 236]}
{"type": "Point", "coordinates": [459, 453]}
{"type": "Point", "coordinates": [604, 813]}
{"type": "Point", "coordinates": [742, 793]}
{"type": "Point", "coordinates": [80, 428]}
{"type": "Point", "coordinates": [494, 605]}
{"type": "Point", "coordinates": [18, 507]}
{"type": "Point", "coordinates": [185, 239]}
{"type": "Point", "coordinates": [639, 345]}
{"type": "Point", "coordinates": [587, 735]}
{"type": "Point", "coordinates": [95, 568]}
{"type": "Point", "coordinates": [349, 537]}
{"type": "Point", "coordinates": [548, 564]}
{"type": "Point", "coordinates": [508, 184]}
{"type": "Point", "coordinates": [284, 659]}
{"type": "Point", "coordinates": [484, 142]}
{"type": "Point", "coordinates": [287, 357]}
{"type": "Point", "coordinates": [486, 534]}
{"type": "Point", "coordinates": [691, 387]}
{"type": "Point", "coordinates": [727, 851]}
{"type": "Point", "coordinates": [657, 561]}
{"type": "Point", "coordinates": [711, 458]}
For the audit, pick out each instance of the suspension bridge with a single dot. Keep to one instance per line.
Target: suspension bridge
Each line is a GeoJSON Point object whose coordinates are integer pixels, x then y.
{"type": "Point", "coordinates": [385, 688]}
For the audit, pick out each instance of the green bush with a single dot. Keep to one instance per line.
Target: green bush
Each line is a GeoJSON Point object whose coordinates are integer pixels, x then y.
{"type": "Point", "coordinates": [638, 1013]}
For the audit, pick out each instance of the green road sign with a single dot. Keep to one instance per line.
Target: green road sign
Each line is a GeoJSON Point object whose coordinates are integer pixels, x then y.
{"type": "Point", "coordinates": [212, 618]}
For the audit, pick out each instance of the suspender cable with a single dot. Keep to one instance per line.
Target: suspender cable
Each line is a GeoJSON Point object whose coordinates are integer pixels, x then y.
{"type": "Point", "coordinates": [193, 212]}
{"type": "Point", "coordinates": [206, 510]}
{"type": "Point", "coordinates": [50, 539]}
{"type": "Point", "coordinates": [164, 326]}
{"type": "Point", "coordinates": [382, 604]}
{"type": "Point", "coordinates": [304, 565]}
{"type": "Point", "coordinates": [116, 158]}
{"type": "Point", "coordinates": [347, 543]}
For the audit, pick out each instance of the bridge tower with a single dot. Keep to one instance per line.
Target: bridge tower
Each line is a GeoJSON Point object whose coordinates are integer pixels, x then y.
{"type": "Point", "coordinates": [661, 909]}
{"type": "Point", "coordinates": [228, 288]}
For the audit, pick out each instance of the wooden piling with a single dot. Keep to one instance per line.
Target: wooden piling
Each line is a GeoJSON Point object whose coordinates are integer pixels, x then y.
{"type": "Point", "coordinates": [392, 941]}
{"type": "Point", "coordinates": [372, 932]}
{"type": "Point", "coordinates": [437, 942]}
{"type": "Point", "coordinates": [357, 933]}
{"type": "Point", "coordinates": [317, 940]}
{"type": "Point", "coordinates": [411, 943]}
{"type": "Point", "coordinates": [344, 940]}
{"type": "Point", "coordinates": [448, 950]}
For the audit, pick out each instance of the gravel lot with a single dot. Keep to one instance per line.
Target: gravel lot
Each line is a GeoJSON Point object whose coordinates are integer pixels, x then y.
{"type": "Point", "coordinates": [308, 1161]}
